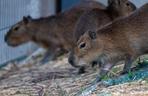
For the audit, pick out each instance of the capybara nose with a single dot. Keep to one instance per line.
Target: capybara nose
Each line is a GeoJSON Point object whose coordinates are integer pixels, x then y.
{"type": "Point", "coordinates": [71, 61]}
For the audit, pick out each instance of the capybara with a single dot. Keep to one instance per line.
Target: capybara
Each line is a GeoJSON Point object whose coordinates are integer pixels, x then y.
{"type": "Point", "coordinates": [53, 33]}
{"type": "Point", "coordinates": [95, 18]}
{"type": "Point", "coordinates": [123, 39]}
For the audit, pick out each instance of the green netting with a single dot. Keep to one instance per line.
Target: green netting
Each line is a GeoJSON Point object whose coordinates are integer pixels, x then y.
{"type": "Point", "coordinates": [140, 72]}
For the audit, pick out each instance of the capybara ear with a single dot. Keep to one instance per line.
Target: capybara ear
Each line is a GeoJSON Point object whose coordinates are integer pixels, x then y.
{"type": "Point", "coordinates": [92, 35]}
{"type": "Point", "coordinates": [124, 0]}
{"type": "Point", "coordinates": [27, 19]}
{"type": "Point", "coordinates": [116, 2]}
{"type": "Point", "coordinates": [110, 2]}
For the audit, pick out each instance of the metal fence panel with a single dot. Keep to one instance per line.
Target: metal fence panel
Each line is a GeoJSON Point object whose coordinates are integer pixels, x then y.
{"type": "Point", "coordinates": [11, 11]}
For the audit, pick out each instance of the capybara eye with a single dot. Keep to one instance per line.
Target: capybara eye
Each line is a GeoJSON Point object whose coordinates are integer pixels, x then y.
{"type": "Point", "coordinates": [16, 28]}
{"type": "Point", "coordinates": [127, 4]}
{"type": "Point", "coordinates": [82, 45]}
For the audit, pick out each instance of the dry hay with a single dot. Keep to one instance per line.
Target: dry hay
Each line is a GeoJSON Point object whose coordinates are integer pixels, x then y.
{"type": "Point", "coordinates": [58, 78]}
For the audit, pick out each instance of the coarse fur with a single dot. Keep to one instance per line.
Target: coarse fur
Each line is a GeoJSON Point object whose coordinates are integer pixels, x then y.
{"type": "Point", "coordinates": [123, 39]}
{"type": "Point", "coordinates": [54, 33]}
{"type": "Point", "coordinates": [92, 19]}
{"type": "Point", "coordinates": [95, 18]}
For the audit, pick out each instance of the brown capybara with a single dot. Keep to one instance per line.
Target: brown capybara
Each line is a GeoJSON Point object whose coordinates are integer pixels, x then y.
{"type": "Point", "coordinates": [53, 33]}
{"type": "Point", "coordinates": [123, 39]}
{"type": "Point", "coordinates": [117, 8]}
{"type": "Point", "coordinates": [95, 18]}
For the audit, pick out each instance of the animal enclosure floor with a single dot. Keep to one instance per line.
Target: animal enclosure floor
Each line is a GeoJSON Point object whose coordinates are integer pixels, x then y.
{"type": "Point", "coordinates": [58, 78]}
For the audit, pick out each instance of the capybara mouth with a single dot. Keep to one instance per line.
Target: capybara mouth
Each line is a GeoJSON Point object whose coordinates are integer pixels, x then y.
{"type": "Point", "coordinates": [12, 44]}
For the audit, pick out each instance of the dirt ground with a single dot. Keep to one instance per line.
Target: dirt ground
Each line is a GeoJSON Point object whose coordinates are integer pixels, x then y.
{"type": "Point", "coordinates": [58, 78]}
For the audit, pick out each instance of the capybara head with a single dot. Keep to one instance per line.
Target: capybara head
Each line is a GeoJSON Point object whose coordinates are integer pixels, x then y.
{"type": "Point", "coordinates": [121, 7]}
{"type": "Point", "coordinates": [18, 33]}
{"type": "Point", "coordinates": [87, 50]}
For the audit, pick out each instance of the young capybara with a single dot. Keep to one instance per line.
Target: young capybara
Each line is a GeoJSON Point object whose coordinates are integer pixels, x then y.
{"type": "Point", "coordinates": [95, 18]}
{"type": "Point", "coordinates": [123, 39]}
{"type": "Point", "coordinates": [53, 33]}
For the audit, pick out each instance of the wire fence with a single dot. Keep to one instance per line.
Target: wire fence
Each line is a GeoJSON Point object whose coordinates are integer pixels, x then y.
{"type": "Point", "coordinates": [7, 27]}
{"type": "Point", "coordinates": [11, 11]}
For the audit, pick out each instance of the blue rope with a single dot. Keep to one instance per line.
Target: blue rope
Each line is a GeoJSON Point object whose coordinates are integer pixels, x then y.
{"type": "Point", "coordinates": [136, 75]}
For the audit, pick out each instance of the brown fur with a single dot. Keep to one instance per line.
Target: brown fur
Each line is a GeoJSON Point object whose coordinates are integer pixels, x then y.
{"type": "Point", "coordinates": [53, 32]}
{"type": "Point", "coordinates": [119, 8]}
{"type": "Point", "coordinates": [95, 18]}
{"type": "Point", "coordinates": [123, 39]}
